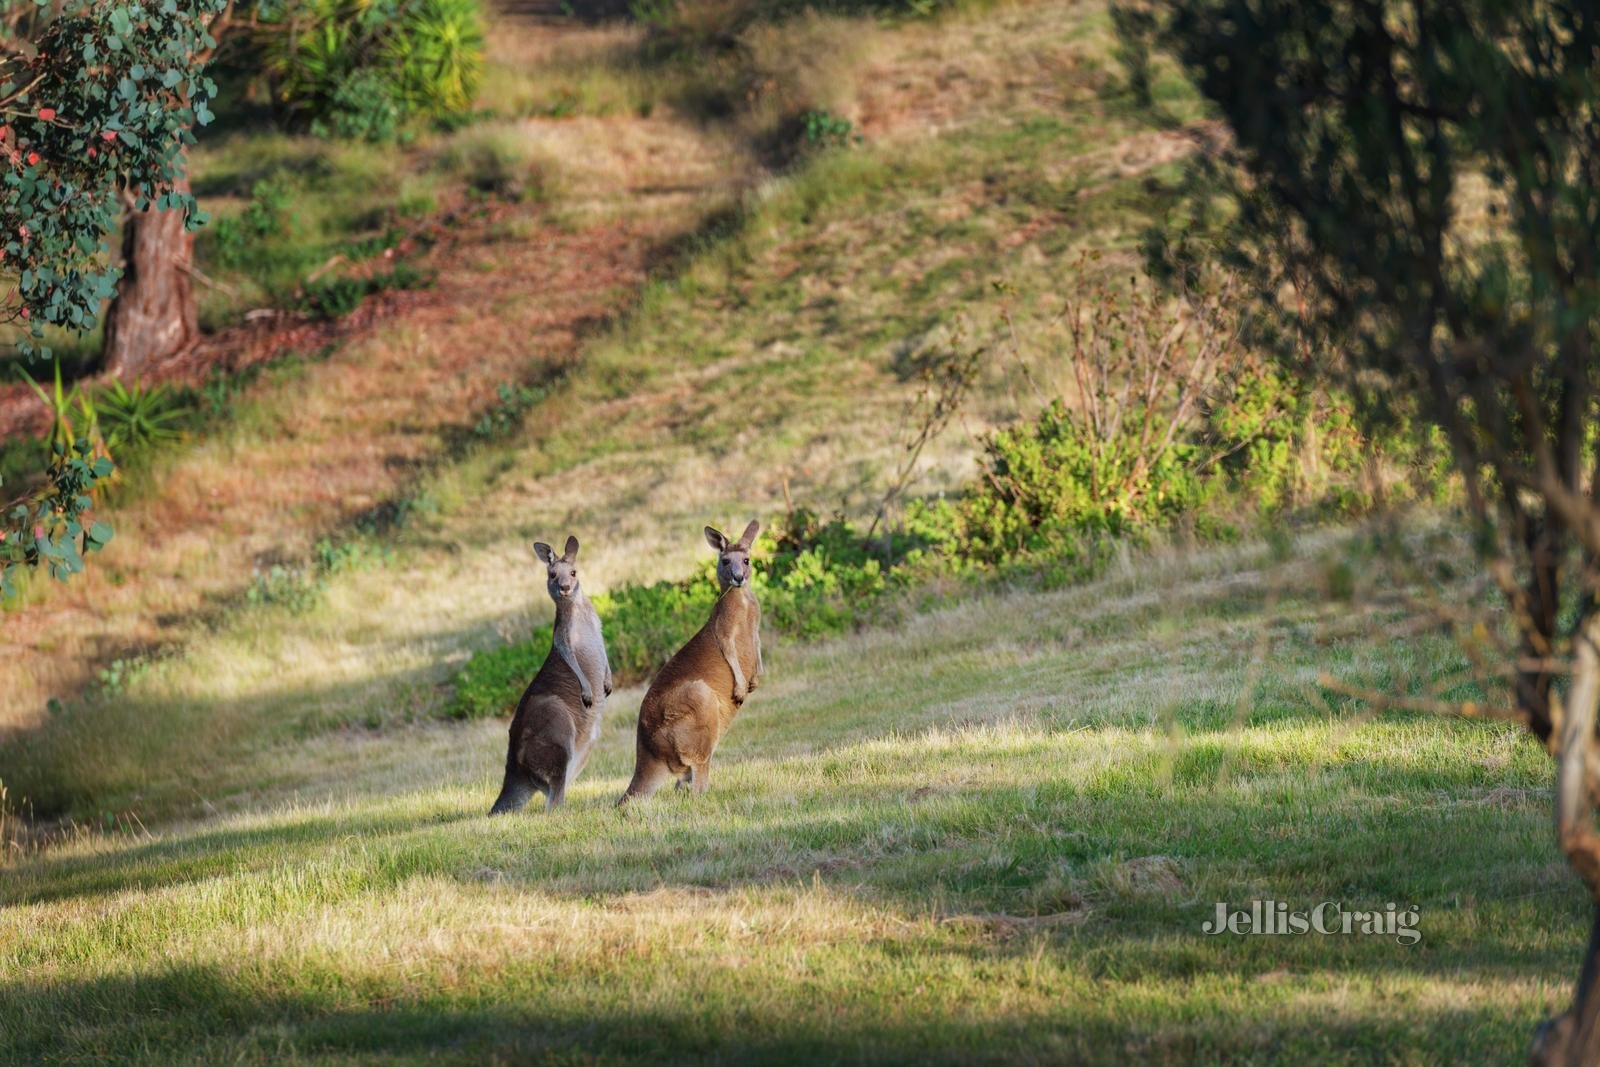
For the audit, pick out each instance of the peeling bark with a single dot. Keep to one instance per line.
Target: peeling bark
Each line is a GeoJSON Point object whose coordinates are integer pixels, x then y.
{"type": "Point", "coordinates": [153, 315]}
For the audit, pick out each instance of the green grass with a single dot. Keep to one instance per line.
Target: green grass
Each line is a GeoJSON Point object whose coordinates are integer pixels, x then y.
{"type": "Point", "coordinates": [992, 834]}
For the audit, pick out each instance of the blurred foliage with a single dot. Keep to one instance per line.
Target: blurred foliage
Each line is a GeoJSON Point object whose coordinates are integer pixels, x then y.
{"type": "Point", "coordinates": [336, 297]}
{"type": "Point", "coordinates": [360, 69]}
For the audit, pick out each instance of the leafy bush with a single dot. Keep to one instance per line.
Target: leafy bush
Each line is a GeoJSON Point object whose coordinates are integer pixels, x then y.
{"type": "Point", "coordinates": [1128, 452]}
{"type": "Point", "coordinates": [361, 68]}
{"type": "Point", "coordinates": [438, 50]}
{"type": "Point", "coordinates": [265, 216]}
{"type": "Point", "coordinates": [363, 106]}
{"type": "Point", "coordinates": [646, 624]}
{"type": "Point", "coordinates": [492, 680]}
{"type": "Point", "coordinates": [1174, 419]}
{"type": "Point", "coordinates": [50, 527]}
{"type": "Point", "coordinates": [1294, 447]}
{"type": "Point", "coordinates": [1051, 482]}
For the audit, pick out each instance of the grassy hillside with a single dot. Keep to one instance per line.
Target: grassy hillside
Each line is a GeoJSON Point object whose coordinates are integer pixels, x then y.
{"type": "Point", "coordinates": [774, 354]}
{"type": "Point", "coordinates": [986, 828]}
{"type": "Point", "coordinates": [991, 834]}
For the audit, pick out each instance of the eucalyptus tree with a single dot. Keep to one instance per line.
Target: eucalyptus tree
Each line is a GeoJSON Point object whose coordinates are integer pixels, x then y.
{"type": "Point", "coordinates": [98, 101]}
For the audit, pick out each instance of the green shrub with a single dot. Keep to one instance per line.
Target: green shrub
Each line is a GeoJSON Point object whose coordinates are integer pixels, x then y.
{"type": "Point", "coordinates": [646, 624]}
{"type": "Point", "coordinates": [437, 50]}
{"type": "Point", "coordinates": [1290, 447]}
{"type": "Point", "coordinates": [361, 68]}
{"type": "Point", "coordinates": [363, 106]}
{"type": "Point", "coordinates": [1129, 452]}
{"type": "Point", "coordinates": [491, 681]}
{"type": "Point", "coordinates": [1175, 420]}
{"type": "Point", "coordinates": [233, 238]}
{"type": "Point", "coordinates": [820, 128]}
{"type": "Point", "coordinates": [1052, 487]}
{"type": "Point", "coordinates": [1049, 482]}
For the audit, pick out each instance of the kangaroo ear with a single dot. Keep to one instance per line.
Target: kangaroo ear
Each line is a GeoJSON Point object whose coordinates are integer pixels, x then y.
{"type": "Point", "coordinates": [715, 539]}
{"type": "Point", "coordinates": [571, 551]}
{"type": "Point", "coordinates": [544, 552]}
{"type": "Point", "coordinates": [749, 536]}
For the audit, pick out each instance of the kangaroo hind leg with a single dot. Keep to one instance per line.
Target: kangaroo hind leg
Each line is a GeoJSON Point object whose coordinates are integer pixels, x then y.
{"type": "Point", "coordinates": [519, 788]}
{"type": "Point", "coordinates": [649, 775]}
{"type": "Point", "coordinates": [557, 793]}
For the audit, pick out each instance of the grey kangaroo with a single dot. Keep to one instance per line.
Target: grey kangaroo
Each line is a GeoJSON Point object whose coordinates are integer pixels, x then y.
{"type": "Point", "coordinates": [558, 718]}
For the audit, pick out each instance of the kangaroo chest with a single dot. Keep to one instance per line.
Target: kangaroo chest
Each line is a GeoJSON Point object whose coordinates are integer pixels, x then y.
{"type": "Point", "coordinates": [737, 622]}
{"type": "Point", "coordinates": [588, 648]}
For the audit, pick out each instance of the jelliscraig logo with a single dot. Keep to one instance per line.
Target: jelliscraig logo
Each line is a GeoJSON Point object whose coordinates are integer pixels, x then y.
{"type": "Point", "coordinates": [1327, 918]}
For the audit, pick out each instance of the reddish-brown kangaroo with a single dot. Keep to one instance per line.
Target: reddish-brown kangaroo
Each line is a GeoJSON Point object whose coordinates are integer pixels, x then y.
{"type": "Point", "coordinates": [691, 703]}
{"type": "Point", "coordinates": [558, 718]}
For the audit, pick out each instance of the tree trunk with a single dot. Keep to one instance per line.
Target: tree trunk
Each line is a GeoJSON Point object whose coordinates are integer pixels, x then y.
{"type": "Point", "coordinates": [1572, 1039]}
{"type": "Point", "coordinates": [153, 314]}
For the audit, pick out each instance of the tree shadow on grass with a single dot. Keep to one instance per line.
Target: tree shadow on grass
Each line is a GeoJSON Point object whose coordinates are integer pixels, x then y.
{"type": "Point", "coordinates": [196, 1013]}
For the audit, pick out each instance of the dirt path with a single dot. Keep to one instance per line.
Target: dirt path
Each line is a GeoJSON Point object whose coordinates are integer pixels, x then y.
{"type": "Point", "coordinates": [323, 441]}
